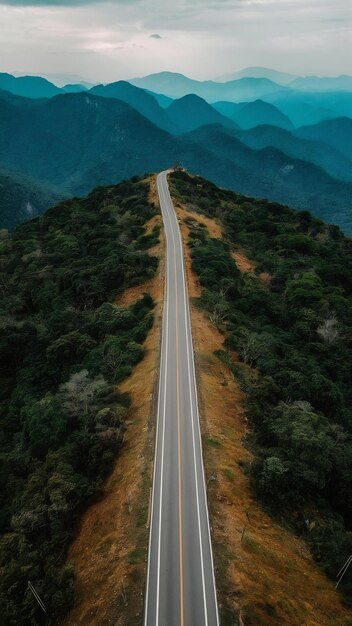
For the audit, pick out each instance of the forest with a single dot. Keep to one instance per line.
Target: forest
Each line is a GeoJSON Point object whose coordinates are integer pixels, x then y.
{"type": "Point", "coordinates": [64, 348]}
{"type": "Point", "coordinates": [287, 330]}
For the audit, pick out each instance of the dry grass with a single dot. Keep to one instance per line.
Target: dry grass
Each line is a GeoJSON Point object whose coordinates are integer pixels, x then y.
{"type": "Point", "coordinates": [243, 263]}
{"type": "Point", "coordinates": [109, 550]}
{"type": "Point", "coordinates": [266, 575]}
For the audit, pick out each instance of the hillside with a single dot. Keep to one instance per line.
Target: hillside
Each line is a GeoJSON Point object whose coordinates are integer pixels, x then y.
{"type": "Point", "coordinates": [22, 198]}
{"type": "Point", "coordinates": [250, 114]}
{"type": "Point", "coordinates": [337, 133]}
{"type": "Point", "coordinates": [76, 141]}
{"type": "Point", "coordinates": [269, 173]}
{"type": "Point", "coordinates": [191, 112]}
{"type": "Point", "coordinates": [285, 315]}
{"type": "Point", "coordinates": [138, 99]}
{"type": "Point", "coordinates": [65, 349]}
{"type": "Point", "coordinates": [314, 150]}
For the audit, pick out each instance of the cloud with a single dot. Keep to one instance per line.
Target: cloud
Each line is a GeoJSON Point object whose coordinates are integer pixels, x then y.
{"type": "Point", "coordinates": [61, 3]}
{"type": "Point", "coordinates": [102, 39]}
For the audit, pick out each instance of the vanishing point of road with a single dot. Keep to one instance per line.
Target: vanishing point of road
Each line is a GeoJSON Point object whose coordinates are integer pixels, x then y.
{"type": "Point", "coordinates": [180, 588]}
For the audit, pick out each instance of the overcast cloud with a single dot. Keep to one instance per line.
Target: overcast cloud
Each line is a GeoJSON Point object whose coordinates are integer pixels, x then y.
{"type": "Point", "coordinates": [103, 41]}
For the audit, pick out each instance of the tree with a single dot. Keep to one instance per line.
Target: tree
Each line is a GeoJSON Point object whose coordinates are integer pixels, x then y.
{"type": "Point", "coordinates": [78, 395]}
{"type": "Point", "coordinates": [328, 331]}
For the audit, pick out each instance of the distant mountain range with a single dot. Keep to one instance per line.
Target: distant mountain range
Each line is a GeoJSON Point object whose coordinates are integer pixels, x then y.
{"type": "Point", "coordinates": [73, 142]}
{"type": "Point", "coordinates": [281, 78]}
{"type": "Point", "coordinates": [28, 86]}
{"type": "Point", "coordinates": [251, 114]}
{"type": "Point", "coordinates": [178, 85]}
{"type": "Point", "coordinates": [288, 145]}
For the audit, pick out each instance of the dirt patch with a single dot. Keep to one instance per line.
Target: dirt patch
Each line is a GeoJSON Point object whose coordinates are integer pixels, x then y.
{"type": "Point", "coordinates": [110, 549]}
{"type": "Point", "coordinates": [213, 227]}
{"type": "Point", "coordinates": [264, 574]}
{"type": "Point", "coordinates": [243, 263]}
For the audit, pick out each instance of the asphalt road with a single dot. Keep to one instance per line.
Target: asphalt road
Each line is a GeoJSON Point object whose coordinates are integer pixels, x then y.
{"type": "Point", "coordinates": [180, 588]}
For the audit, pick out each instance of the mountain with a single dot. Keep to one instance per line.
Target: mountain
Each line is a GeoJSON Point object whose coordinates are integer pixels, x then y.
{"type": "Point", "coordinates": [137, 98]}
{"type": "Point", "coordinates": [251, 114]}
{"type": "Point", "coordinates": [281, 78]}
{"type": "Point", "coordinates": [312, 150]}
{"type": "Point", "coordinates": [18, 101]}
{"type": "Point", "coordinates": [191, 112]}
{"type": "Point", "coordinates": [269, 173]}
{"type": "Point", "coordinates": [319, 83]}
{"type": "Point", "coordinates": [74, 88]}
{"type": "Point", "coordinates": [178, 85]}
{"type": "Point", "coordinates": [28, 86]}
{"type": "Point", "coordinates": [323, 105]}
{"type": "Point", "coordinates": [337, 133]}
{"type": "Point", "coordinates": [77, 141]}
{"type": "Point", "coordinates": [301, 113]}
{"type": "Point", "coordinates": [164, 101]}
{"type": "Point", "coordinates": [60, 80]}
{"type": "Point", "coordinates": [22, 198]}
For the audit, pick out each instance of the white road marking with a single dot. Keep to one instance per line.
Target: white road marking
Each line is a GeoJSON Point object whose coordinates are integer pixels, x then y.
{"type": "Point", "coordinates": [166, 201]}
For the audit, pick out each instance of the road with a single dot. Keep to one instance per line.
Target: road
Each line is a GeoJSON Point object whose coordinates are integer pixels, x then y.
{"type": "Point", "coordinates": [180, 589]}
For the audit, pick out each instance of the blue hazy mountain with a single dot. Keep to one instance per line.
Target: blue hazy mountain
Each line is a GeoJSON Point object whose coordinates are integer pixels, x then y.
{"type": "Point", "coordinates": [281, 78]}
{"type": "Point", "coordinates": [323, 105]}
{"type": "Point", "coordinates": [337, 133]}
{"type": "Point", "coordinates": [18, 101]}
{"type": "Point", "coordinates": [314, 150]}
{"type": "Point", "coordinates": [319, 83]}
{"type": "Point", "coordinates": [191, 112]}
{"type": "Point", "coordinates": [74, 88]}
{"type": "Point", "coordinates": [251, 114]}
{"type": "Point", "coordinates": [177, 85]}
{"type": "Point", "coordinates": [161, 99]}
{"type": "Point", "coordinates": [137, 98]}
{"type": "Point", "coordinates": [77, 141]}
{"type": "Point", "coordinates": [269, 173]}
{"type": "Point", "coordinates": [28, 86]}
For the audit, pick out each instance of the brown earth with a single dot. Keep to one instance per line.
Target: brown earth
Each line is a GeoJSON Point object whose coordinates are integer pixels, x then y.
{"type": "Point", "coordinates": [264, 574]}
{"type": "Point", "coordinates": [109, 550]}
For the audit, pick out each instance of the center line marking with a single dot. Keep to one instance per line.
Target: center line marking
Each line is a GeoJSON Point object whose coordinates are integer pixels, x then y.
{"type": "Point", "coordinates": [179, 448]}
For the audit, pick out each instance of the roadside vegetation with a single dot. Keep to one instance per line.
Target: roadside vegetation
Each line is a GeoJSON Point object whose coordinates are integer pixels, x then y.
{"type": "Point", "coordinates": [64, 349]}
{"type": "Point", "coordinates": [287, 340]}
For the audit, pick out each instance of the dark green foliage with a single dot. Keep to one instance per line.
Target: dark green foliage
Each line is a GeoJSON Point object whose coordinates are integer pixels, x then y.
{"type": "Point", "coordinates": [22, 198]}
{"type": "Point", "coordinates": [293, 336]}
{"type": "Point", "coordinates": [63, 347]}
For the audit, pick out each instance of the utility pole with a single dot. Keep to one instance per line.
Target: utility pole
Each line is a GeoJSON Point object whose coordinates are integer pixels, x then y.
{"type": "Point", "coordinates": [37, 597]}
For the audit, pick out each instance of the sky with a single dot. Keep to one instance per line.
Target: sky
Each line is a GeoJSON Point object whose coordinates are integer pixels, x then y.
{"type": "Point", "coordinates": [104, 41]}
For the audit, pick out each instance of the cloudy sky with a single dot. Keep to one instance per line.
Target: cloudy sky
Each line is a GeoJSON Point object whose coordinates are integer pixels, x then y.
{"type": "Point", "coordinates": [104, 41]}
